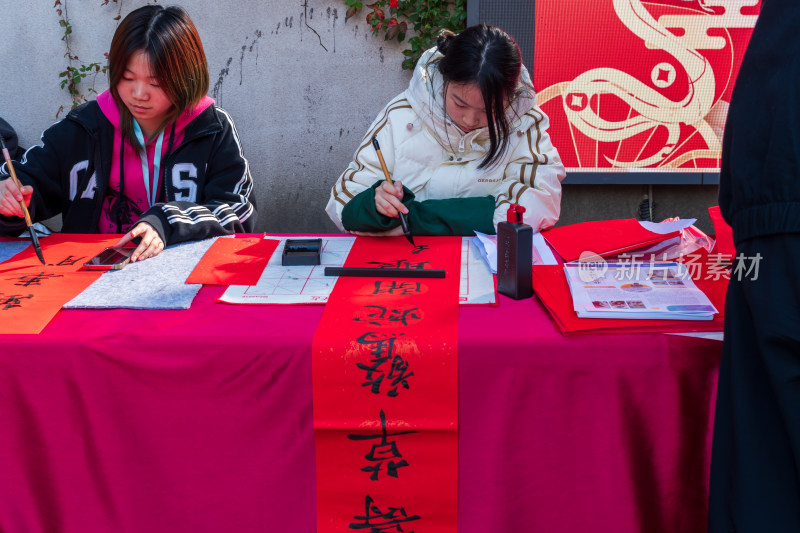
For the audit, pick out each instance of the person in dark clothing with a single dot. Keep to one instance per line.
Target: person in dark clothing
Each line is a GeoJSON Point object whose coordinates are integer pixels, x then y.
{"type": "Point", "coordinates": [755, 463]}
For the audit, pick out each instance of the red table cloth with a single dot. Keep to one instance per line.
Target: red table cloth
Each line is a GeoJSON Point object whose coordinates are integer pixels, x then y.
{"type": "Point", "coordinates": [201, 421]}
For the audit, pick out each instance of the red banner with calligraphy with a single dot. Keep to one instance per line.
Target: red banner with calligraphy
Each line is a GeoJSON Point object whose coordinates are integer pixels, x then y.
{"type": "Point", "coordinates": [385, 392]}
{"type": "Point", "coordinates": [31, 293]}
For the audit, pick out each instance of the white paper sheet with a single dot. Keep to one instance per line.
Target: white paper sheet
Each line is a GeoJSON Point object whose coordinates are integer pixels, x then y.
{"type": "Point", "coordinates": [477, 281]}
{"type": "Point", "coordinates": [663, 228]}
{"type": "Point", "coordinates": [487, 245]}
{"type": "Point", "coordinates": [293, 284]}
{"type": "Point", "coordinates": [710, 335]}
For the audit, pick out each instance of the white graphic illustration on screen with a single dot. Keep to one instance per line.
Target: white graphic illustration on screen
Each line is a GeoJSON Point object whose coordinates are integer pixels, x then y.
{"type": "Point", "coordinates": [671, 112]}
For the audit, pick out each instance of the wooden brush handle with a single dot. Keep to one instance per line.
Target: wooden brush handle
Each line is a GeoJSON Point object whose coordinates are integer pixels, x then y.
{"type": "Point", "coordinates": [10, 165]}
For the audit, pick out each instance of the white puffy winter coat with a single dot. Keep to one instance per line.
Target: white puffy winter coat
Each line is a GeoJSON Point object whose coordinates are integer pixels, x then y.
{"type": "Point", "coordinates": [433, 158]}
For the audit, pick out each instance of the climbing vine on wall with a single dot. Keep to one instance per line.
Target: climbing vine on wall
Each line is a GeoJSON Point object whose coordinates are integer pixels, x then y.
{"type": "Point", "coordinates": [392, 18]}
{"type": "Point", "coordinates": [425, 17]}
{"type": "Point", "coordinates": [76, 71]}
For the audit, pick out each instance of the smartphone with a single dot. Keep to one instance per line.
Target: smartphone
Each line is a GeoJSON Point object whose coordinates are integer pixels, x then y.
{"type": "Point", "coordinates": [112, 258]}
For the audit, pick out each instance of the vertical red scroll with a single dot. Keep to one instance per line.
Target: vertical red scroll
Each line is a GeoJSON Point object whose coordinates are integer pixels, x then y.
{"type": "Point", "coordinates": [385, 392]}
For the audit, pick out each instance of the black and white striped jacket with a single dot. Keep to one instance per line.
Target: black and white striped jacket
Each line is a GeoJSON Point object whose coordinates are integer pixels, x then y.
{"type": "Point", "coordinates": [208, 187]}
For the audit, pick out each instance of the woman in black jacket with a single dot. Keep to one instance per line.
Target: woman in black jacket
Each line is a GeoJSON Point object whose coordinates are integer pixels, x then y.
{"type": "Point", "coordinates": [152, 157]}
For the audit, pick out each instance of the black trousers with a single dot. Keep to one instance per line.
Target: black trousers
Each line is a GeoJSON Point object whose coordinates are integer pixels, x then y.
{"type": "Point", "coordinates": [755, 462]}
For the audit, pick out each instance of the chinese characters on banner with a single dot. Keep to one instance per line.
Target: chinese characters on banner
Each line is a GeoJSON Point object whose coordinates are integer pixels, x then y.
{"type": "Point", "coordinates": [31, 293]}
{"type": "Point", "coordinates": [633, 84]}
{"type": "Point", "coordinates": [385, 392]}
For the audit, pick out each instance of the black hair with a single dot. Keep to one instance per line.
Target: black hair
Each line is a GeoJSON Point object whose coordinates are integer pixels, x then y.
{"type": "Point", "coordinates": [490, 58]}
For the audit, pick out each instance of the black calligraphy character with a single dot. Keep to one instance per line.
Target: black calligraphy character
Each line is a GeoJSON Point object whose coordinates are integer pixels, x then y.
{"type": "Point", "coordinates": [419, 248]}
{"type": "Point", "coordinates": [70, 261]}
{"type": "Point", "coordinates": [399, 263]}
{"type": "Point", "coordinates": [382, 451]}
{"type": "Point", "coordinates": [34, 279]}
{"type": "Point", "coordinates": [398, 375]}
{"type": "Point", "coordinates": [377, 521]}
{"type": "Point", "coordinates": [398, 287]}
{"type": "Point", "coordinates": [383, 352]}
{"type": "Point", "coordinates": [12, 301]}
{"type": "Point", "coordinates": [381, 316]}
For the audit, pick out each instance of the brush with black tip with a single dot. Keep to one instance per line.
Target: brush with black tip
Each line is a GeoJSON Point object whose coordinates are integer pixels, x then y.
{"type": "Point", "coordinates": [34, 239]}
{"type": "Point", "coordinates": [403, 219]}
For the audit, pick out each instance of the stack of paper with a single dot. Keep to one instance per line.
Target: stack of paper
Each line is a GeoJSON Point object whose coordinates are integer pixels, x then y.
{"type": "Point", "coordinates": [610, 237]}
{"type": "Point", "coordinates": [636, 290]}
{"type": "Point", "coordinates": [552, 289]}
{"type": "Point", "coordinates": [487, 246]}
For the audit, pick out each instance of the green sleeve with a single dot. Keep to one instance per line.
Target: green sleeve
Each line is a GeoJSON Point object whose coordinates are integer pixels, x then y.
{"type": "Point", "coordinates": [451, 216]}
{"type": "Point", "coordinates": [360, 214]}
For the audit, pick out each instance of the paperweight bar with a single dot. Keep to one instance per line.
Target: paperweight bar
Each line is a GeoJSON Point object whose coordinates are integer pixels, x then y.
{"type": "Point", "coordinates": [366, 272]}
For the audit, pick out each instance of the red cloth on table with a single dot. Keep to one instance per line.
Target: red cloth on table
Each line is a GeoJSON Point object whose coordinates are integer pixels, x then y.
{"type": "Point", "coordinates": [602, 237]}
{"type": "Point", "coordinates": [201, 420]}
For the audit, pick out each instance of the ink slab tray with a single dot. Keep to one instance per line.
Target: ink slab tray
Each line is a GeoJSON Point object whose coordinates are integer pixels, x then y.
{"type": "Point", "coordinates": [300, 252]}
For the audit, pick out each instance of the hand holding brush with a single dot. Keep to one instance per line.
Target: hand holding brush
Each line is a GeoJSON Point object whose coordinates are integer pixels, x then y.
{"type": "Point", "coordinates": [16, 191]}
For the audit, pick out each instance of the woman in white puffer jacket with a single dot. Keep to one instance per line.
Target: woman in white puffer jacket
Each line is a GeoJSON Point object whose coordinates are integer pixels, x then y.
{"type": "Point", "coordinates": [462, 143]}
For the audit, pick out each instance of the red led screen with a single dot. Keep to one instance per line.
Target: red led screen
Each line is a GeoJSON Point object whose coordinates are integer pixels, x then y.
{"type": "Point", "coordinates": [634, 85]}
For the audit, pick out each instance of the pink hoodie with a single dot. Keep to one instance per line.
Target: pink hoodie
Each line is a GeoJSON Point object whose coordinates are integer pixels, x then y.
{"type": "Point", "coordinates": [135, 194]}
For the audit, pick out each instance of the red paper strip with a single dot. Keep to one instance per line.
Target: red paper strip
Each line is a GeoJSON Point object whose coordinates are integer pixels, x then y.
{"type": "Point", "coordinates": [63, 252]}
{"type": "Point", "coordinates": [31, 293]}
{"type": "Point", "coordinates": [234, 261]}
{"type": "Point", "coordinates": [29, 299]}
{"type": "Point", "coordinates": [603, 238]}
{"type": "Point", "coordinates": [723, 233]}
{"type": "Point", "coordinates": [385, 392]}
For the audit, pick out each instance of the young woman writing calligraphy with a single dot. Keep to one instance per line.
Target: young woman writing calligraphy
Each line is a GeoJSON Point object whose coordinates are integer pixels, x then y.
{"type": "Point", "coordinates": [463, 142]}
{"type": "Point", "coordinates": [153, 156]}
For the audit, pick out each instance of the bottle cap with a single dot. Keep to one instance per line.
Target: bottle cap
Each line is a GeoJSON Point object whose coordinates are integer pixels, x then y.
{"type": "Point", "coordinates": [514, 213]}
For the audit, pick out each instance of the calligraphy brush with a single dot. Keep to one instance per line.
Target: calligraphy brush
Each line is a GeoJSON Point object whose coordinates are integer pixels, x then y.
{"type": "Point", "coordinates": [403, 219]}
{"type": "Point", "coordinates": [34, 239]}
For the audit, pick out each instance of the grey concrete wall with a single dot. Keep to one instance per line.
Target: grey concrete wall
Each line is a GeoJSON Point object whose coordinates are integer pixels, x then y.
{"type": "Point", "coordinates": [602, 202]}
{"type": "Point", "coordinates": [301, 84]}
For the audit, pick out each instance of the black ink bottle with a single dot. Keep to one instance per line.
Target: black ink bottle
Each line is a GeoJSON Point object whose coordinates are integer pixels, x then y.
{"type": "Point", "coordinates": [515, 255]}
